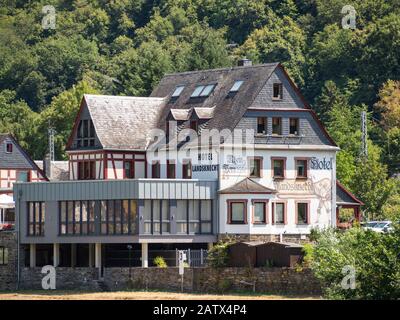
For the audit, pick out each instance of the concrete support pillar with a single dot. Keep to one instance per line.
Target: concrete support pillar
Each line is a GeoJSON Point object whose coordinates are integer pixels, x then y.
{"type": "Point", "coordinates": [97, 259]}
{"type": "Point", "coordinates": [32, 255]}
{"type": "Point", "coordinates": [73, 255]}
{"type": "Point", "coordinates": [210, 245]}
{"type": "Point", "coordinates": [91, 255]}
{"type": "Point", "coordinates": [145, 255]}
{"type": "Point", "coordinates": [56, 254]}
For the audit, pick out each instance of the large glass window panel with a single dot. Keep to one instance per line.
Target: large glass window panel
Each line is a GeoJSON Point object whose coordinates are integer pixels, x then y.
{"type": "Point", "coordinates": [77, 229]}
{"type": "Point", "coordinates": [111, 215]}
{"type": "Point", "coordinates": [91, 216]}
{"type": "Point", "coordinates": [85, 217]}
{"type": "Point", "coordinates": [165, 216]}
{"type": "Point", "coordinates": [63, 217]}
{"type": "Point", "coordinates": [181, 216]}
{"type": "Point", "coordinates": [70, 217]}
{"type": "Point", "coordinates": [194, 216]}
{"type": "Point", "coordinates": [125, 216]}
{"type": "Point", "coordinates": [117, 212]}
{"type": "Point", "coordinates": [133, 216]}
{"type": "Point", "coordinates": [103, 216]}
{"type": "Point", "coordinates": [156, 216]}
{"type": "Point", "coordinates": [147, 216]}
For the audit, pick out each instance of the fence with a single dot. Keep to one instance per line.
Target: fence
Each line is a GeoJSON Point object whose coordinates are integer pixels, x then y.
{"type": "Point", "coordinates": [195, 258]}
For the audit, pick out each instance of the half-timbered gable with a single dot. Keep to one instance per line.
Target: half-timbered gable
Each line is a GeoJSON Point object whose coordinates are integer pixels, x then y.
{"type": "Point", "coordinates": [110, 136]}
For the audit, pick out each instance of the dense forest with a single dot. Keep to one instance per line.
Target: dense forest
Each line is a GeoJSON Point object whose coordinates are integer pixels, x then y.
{"type": "Point", "coordinates": [124, 47]}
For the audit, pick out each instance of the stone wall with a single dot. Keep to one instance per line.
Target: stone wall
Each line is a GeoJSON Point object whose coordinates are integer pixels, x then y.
{"type": "Point", "coordinates": [8, 273]}
{"type": "Point", "coordinates": [267, 280]}
{"type": "Point", "coordinates": [148, 278]}
{"type": "Point", "coordinates": [66, 279]}
{"type": "Point", "coordinates": [205, 280]}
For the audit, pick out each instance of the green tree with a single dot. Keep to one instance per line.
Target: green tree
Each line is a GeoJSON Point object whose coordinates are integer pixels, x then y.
{"type": "Point", "coordinates": [60, 115]}
{"type": "Point", "coordinates": [372, 257]}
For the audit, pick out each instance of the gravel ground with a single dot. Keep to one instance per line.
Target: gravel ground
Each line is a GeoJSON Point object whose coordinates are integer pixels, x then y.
{"type": "Point", "coordinates": [137, 295]}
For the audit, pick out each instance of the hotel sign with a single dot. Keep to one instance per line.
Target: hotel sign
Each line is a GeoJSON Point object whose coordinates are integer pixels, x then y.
{"type": "Point", "coordinates": [321, 164]}
{"type": "Point", "coordinates": [294, 187]}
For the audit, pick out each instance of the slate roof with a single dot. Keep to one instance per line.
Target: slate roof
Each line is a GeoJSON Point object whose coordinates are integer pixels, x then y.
{"type": "Point", "coordinates": [18, 159]}
{"type": "Point", "coordinates": [229, 107]}
{"type": "Point", "coordinates": [60, 170]}
{"type": "Point", "coordinates": [123, 122]}
{"type": "Point", "coordinates": [344, 196]}
{"type": "Point", "coordinates": [247, 185]}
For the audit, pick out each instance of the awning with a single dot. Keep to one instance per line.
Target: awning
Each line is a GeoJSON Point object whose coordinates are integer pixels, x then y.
{"type": "Point", "coordinates": [6, 201]}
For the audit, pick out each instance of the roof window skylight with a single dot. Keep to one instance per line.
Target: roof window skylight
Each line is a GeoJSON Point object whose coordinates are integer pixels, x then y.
{"type": "Point", "coordinates": [207, 90]}
{"type": "Point", "coordinates": [203, 91]}
{"type": "Point", "coordinates": [236, 86]}
{"type": "Point", "coordinates": [178, 91]}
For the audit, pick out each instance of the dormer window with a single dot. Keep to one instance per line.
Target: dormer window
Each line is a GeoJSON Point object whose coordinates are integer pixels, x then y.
{"type": "Point", "coordinates": [203, 91]}
{"type": "Point", "coordinates": [193, 125]}
{"type": "Point", "coordinates": [85, 134]}
{"type": "Point", "coordinates": [9, 147]}
{"type": "Point", "coordinates": [277, 91]}
{"type": "Point", "coordinates": [236, 86]}
{"type": "Point", "coordinates": [178, 91]}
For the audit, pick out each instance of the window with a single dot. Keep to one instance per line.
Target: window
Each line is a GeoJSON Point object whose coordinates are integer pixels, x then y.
{"type": "Point", "coordinates": [85, 134]}
{"type": "Point", "coordinates": [277, 126]}
{"type": "Point", "coordinates": [9, 147]}
{"type": "Point", "coordinates": [237, 211]}
{"type": "Point", "coordinates": [203, 91]}
{"type": "Point", "coordinates": [294, 126]}
{"type": "Point", "coordinates": [194, 216]}
{"type": "Point", "coordinates": [22, 176]}
{"type": "Point", "coordinates": [236, 86]}
{"type": "Point", "coordinates": [278, 167]}
{"type": "Point", "coordinates": [207, 90]}
{"type": "Point", "coordinates": [86, 170]}
{"type": "Point", "coordinates": [206, 216]}
{"type": "Point", "coordinates": [36, 218]}
{"type": "Point", "coordinates": [155, 170]}
{"type": "Point", "coordinates": [302, 216]}
{"type": "Point", "coordinates": [129, 171]}
{"type": "Point", "coordinates": [301, 168]}
{"type": "Point", "coordinates": [197, 91]}
{"type": "Point", "coordinates": [177, 92]}
{"type": "Point", "coordinates": [277, 94]}
{"type": "Point", "coordinates": [181, 216]}
{"type": "Point", "coordinates": [259, 211]}
{"type": "Point", "coordinates": [187, 169]}
{"type": "Point", "coordinates": [278, 213]}
{"type": "Point", "coordinates": [106, 217]}
{"type": "Point", "coordinates": [262, 125]}
{"type": "Point", "coordinates": [255, 166]}
{"type": "Point", "coordinates": [193, 125]}
{"type": "Point", "coordinates": [171, 169]}
{"type": "Point", "coordinates": [3, 256]}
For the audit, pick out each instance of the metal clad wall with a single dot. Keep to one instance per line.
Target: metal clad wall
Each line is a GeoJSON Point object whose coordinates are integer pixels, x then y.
{"type": "Point", "coordinates": [117, 189]}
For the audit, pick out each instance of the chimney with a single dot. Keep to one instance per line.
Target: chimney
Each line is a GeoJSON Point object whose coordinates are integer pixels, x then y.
{"type": "Point", "coordinates": [47, 166]}
{"type": "Point", "coordinates": [244, 62]}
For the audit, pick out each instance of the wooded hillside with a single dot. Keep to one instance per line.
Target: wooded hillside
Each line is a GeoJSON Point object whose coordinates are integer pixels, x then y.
{"type": "Point", "coordinates": [125, 46]}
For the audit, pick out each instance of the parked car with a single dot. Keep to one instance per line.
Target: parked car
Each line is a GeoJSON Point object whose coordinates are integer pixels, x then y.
{"type": "Point", "coordinates": [6, 226]}
{"type": "Point", "coordinates": [379, 226]}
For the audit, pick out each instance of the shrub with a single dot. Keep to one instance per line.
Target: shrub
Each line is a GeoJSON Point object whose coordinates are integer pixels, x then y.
{"type": "Point", "coordinates": [160, 262]}
{"type": "Point", "coordinates": [373, 257]}
{"type": "Point", "coordinates": [218, 255]}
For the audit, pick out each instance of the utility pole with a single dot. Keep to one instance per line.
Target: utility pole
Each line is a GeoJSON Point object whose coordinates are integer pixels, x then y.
{"type": "Point", "coordinates": [51, 133]}
{"type": "Point", "coordinates": [364, 137]}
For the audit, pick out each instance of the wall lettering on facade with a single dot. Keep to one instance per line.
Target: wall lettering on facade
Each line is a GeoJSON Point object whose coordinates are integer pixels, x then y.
{"type": "Point", "coordinates": [204, 167]}
{"type": "Point", "coordinates": [234, 165]}
{"type": "Point", "coordinates": [321, 164]}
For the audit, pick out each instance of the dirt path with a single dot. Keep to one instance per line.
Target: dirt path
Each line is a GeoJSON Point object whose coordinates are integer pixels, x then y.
{"type": "Point", "coordinates": [140, 295]}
